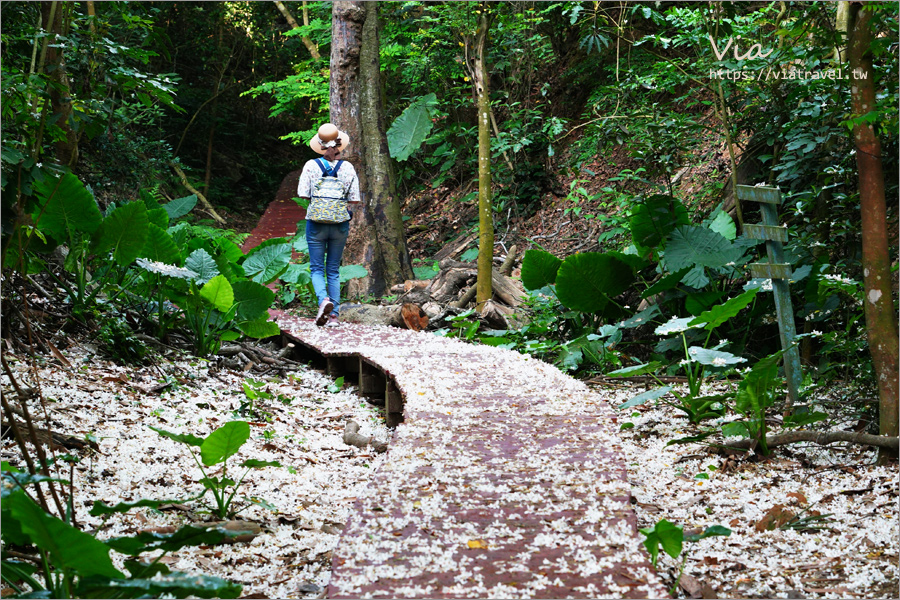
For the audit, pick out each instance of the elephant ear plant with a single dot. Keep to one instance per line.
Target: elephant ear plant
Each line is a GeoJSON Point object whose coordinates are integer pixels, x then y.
{"type": "Point", "coordinates": [216, 449]}
{"type": "Point", "coordinates": [697, 362]}
{"type": "Point", "coordinates": [74, 564]}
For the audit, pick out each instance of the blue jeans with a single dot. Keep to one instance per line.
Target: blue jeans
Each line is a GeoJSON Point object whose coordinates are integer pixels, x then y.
{"type": "Point", "coordinates": [326, 245]}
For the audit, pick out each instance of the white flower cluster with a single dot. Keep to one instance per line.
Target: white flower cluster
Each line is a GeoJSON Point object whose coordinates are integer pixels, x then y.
{"type": "Point", "coordinates": [167, 270]}
{"type": "Point", "coordinates": [674, 325]}
{"type": "Point", "coordinates": [839, 279]}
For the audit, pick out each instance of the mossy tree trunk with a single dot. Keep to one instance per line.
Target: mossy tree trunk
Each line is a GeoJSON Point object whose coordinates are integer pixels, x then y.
{"type": "Point", "coordinates": [377, 239]}
{"type": "Point", "coordinates": [483, 289]}
{"type": "Point", "coordinates": [881, 323]}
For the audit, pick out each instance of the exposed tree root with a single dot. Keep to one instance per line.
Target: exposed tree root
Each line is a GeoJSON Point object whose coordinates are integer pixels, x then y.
{"type": "Point", "coordinates": [353, 438]}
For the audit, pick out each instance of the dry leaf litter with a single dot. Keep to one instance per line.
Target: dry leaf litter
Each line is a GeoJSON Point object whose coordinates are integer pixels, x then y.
{"type": "Point", "coordinates": [855, 555]}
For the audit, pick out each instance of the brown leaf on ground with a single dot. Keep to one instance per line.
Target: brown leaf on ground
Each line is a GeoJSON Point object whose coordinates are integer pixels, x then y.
{"type": "Point", "coordinates": [777, 516]}
{"type": "Point", "coordinates": [801, 499]}
{"type": "Point", "coordinates": [691, 586]}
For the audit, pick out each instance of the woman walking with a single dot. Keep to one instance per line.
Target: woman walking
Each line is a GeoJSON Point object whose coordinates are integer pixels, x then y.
{"type": "Point", "coordinates": [331, 185]}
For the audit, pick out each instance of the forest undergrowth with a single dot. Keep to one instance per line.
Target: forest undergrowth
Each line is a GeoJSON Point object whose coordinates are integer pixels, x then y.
{"type": "Point", "coordinates": [798, 518]}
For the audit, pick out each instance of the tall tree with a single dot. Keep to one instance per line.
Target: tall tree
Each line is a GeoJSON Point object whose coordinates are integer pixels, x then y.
{"type": "Point", "coordinates": [881, 320]}
{"type": "Point", "coordinates": [376, 234]}
{"type": "Point", "coordinates": [483, 290]}
{"type": "Point", "coordinates": [55, 18]}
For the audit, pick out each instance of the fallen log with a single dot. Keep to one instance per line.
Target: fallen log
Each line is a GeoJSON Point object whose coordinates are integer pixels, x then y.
{"type": "Point", "coordinates": [823, 438]}
{"type": "Point", "coordinates": [445, 287]}
{"type": "Point", "coordinates": [353, 438]}
{"type": "Point", "coordinates": [496, 315]}
{"type": "Point", "coordinates": [455, 247]}
{"type": "Point", "coordinates": [54, 439]}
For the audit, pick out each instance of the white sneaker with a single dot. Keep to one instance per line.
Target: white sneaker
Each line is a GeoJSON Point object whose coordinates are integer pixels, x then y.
{"type": "Point", "coordinates": [325, 309]}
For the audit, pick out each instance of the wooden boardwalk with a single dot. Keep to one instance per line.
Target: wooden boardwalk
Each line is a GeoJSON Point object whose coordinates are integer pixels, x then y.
{"type": "Point", "coordinates": [281, 216]}
{"type": "Point", "coordinates": [503, 480]}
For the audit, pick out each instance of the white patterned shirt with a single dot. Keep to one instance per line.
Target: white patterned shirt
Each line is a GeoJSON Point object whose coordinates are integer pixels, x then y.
{"type": "Point", "coordinates": [312, 173]}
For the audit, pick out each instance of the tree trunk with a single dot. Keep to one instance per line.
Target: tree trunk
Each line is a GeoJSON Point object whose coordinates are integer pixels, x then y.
{"type": "Point", "coordinates": [53, 15]}
{"type": "Point", "coordinates": [841, 26]}
{"type": "Point", "coordinates": [483, 291]}
{"type": "Point", "coordinates": [881, 323]}
{"type": "Point", "coordinates": [376, 233]}
{"type": "Point", "coordinates": [383, 202]}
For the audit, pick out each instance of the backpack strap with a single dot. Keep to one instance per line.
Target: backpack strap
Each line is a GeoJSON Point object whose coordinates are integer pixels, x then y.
{"type": "Point", "coordinates": [321, 163]}
{"type": "Point", "coordinates": [337, 166]}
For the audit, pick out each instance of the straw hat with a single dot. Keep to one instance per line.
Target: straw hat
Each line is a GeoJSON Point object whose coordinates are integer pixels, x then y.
{"type": "Point", "coordinates": [329, 135]}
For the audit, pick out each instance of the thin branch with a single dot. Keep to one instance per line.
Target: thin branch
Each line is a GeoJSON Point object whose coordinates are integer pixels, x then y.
{"type": "Point", "coordinates": [206, 204]}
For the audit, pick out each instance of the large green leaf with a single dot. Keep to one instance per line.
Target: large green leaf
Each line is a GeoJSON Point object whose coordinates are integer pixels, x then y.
{"type": "Point", "coordinates": [159, 217]}
{"type": "Point", "coordinates": [66, 206]}
{"type": "Point", "coordinates": [655, 218]}
{"type": "Point", "coordinates": [716, 358]}
{"type": "Point", "coordinates": [259, 328]}
{"type": "Point", "coordinates": [635, 370]}
{"type": "Point", "coordinates": [169, 542]}
{"type": "Point", "coordinates": [585, 282]}
{"type": "Point", "coordinates": [410, 129]}
{"type": "Point", "coordinates": [640, 319]}
{"type": "Point", "coordinates": [665, 534]}
{"type": "Point", "coordinates": [724, 225]}
{"type": "Point", "coordinates": [690, 246]}
{"type": "Point", "coordinates": [699, 302]}
{"type": "Point", "coordinates": [348, 272]}
{"type": "Point", "coordinates": [755, 392]}
{"type": "Point", "coordinates": [666, 283]}
{"type": "Point", "coordinates": [219, 293]}
{"type": "Point", "coordinates": [183, 438]}
{"type": "Point", "coordinates": [251, 299]}
{"type": "Point", "coordinates": [265, 263]}
{"type": "Point", "coordinates": [712, 530]}
{"type": "Point", "coordinates": [229, 249]}
{"type": "Point", "coordinates": [180, 206]}
{"type": "Point", "coordinates": [68, 548]}
{"type": "Point", "coordinates": [224, 442]}
{"type": "Point", "coordinates": [101, 508]}
{"type": "Point", "coordinates": [10, 530]}
{"type": "Point", "coordinates": [171, 585]}
{"type": "Point", "coordinates": [200, 262]}
{"type": "Point", "coordinates": [160, 246]}
{"type": "Point", "coordinates": [539, 269]}
{"type": "Point", "coordinates": [646, 396]}
{"type": "Point", "coordinates": [298, 274]}
{"type": "Point", "coordinates": [721, 313]}
{"type": "Point", "coordinates": [125, 232]}
{"type": "Point", "coordinates": [696, 278]}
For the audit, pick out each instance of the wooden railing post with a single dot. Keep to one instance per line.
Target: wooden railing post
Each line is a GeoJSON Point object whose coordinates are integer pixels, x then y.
{"type": "Point", "coordinates": [780, 273]}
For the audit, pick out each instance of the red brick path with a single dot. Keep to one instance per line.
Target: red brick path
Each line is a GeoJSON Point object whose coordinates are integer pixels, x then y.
{"type": "Point", "coordinates": [281, 216]}
{"type": "Point", "coordinates": [503, 481]}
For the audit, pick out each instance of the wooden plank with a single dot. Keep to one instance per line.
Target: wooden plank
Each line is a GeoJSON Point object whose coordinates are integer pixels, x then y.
{"type": "Point", "coordinates": [766, 195]}
{"type": "Point", "coordinates": [772, 233]}
{"type": "Point", "coordinates": [770, 271]}
{"type": "Point", "coordinates": [393, 404]}
{"type": "Point", "coordinates": [372, 383]}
